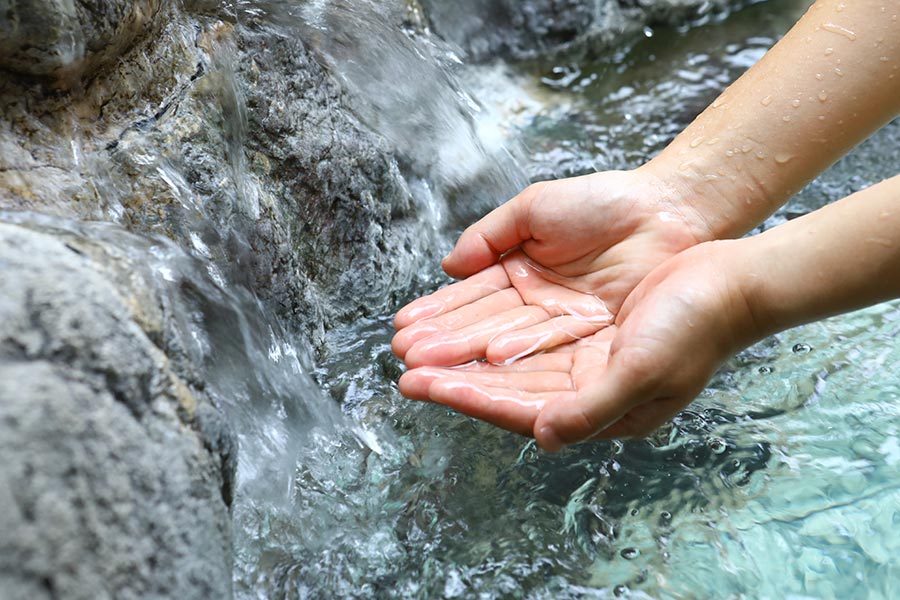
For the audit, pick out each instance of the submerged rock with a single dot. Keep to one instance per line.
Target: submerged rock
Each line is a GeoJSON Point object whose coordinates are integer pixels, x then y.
{"type": "Point", "coordinates": [540, 28]}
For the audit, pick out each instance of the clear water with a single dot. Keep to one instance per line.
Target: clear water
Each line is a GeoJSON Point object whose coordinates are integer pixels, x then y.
{"type": "Point", "coordinates": [780, 481]}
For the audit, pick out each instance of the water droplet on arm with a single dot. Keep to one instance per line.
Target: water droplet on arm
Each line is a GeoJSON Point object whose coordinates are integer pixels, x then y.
{"type": "Point", "coordinates": [783, 159]}
{"type": "Point", "coordinates": [823, 96]}
{"type": "Point", "coordinates": [767, 100]}
{"type": "Point", "coordinates": [839, 30]}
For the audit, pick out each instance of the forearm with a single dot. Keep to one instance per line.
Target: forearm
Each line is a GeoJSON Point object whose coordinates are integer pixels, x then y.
{"type": "Point", "coordinates": [828, 84]}
{"type": "Point", "coordinates": [842, 257]}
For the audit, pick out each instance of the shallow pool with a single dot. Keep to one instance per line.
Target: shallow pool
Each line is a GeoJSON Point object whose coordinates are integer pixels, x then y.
{"type": "Point", "coordinates": [781, 480]}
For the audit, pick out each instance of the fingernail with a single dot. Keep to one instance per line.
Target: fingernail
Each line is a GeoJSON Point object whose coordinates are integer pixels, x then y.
{"type": "Point", "coordinates": [548, 439]}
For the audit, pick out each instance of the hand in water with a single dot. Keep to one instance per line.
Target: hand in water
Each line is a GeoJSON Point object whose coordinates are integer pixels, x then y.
{"type": "Point", "coordinates": [680, 323]}
{"type": "Point", "coordinates": [581, 246]}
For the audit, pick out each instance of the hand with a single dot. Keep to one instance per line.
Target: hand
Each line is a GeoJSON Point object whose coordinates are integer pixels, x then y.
{"type": "Point", "coordinates": [583, 244]}
{"type": "Point", "coordinates": [680, 323]}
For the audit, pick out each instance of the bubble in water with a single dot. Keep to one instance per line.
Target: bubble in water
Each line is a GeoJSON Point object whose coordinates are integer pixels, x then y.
{"type": "Point", "coordinates": [630, 553]}
{"type": "Point", "coordinates": [665, 517]}
{"type": "Point", "coordinates": [648, 32]}
{"type": "Point", "coordinates": [801, 348]}
{"type": "Point", "coordinates": [717, 445]}
{"type": "Point", "coordinates": [764, 370]}
{"type": "Point", "coordinates": [620, 590]}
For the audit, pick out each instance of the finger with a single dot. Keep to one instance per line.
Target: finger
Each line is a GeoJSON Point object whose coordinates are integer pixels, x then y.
{"type": "Point", "coordinates": [484, 242]}
{"type": "Point", "coordinates": [541, 287]}
{"type": "Point", "coordinates": [514, 345]}
{"type": "Point", "coordinates": [510, 409]}
{"type": "Point", "coordinates": [415, 383]}
{"type": "Point", "coordinates": [625, 383]}
{"type": "Point", "coordinates": [462, 345]}
{"type": "Point", "coordinates": [495, 304]}
{"type": "Point", "coordinates": [451, 297]}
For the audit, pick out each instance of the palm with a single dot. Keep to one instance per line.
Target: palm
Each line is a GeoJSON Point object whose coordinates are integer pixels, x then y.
{"type": "Point", "coordinates": [582, 245]}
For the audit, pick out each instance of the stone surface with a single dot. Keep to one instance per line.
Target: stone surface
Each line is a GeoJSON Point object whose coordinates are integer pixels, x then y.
{"type": "Point", "coordinates": [116, 478]}
{"type": "Point", "coordinates": [64, 39]}
{"type": "Point", "coordinates": [233, 141]}
{"type": "Point", "coordinates": [540, 28]}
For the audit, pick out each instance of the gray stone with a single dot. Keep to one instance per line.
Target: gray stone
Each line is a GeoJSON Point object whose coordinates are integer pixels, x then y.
{"type": "Point", "coordinates": [529, 29]}
{"type": "Point", "coordinates": [231, 140]}
{"type": "Point", "coordinates": [111, 486]}
{"type": "Point", "coordinates": [64, 39]}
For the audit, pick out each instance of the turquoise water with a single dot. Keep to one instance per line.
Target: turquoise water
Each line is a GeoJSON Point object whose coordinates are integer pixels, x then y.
{"type": "Point", "coordinates": [781, 480]}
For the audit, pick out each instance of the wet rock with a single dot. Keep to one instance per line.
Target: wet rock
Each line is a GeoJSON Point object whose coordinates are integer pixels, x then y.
{"type": "Point", "coordinates": [545, 28]}
{"type": "Point", "coordinates": [230, 139]}
{"type": "Point", "coordinates": [116, 482]}
{"type": "Point", "coordinates": [63, 39]}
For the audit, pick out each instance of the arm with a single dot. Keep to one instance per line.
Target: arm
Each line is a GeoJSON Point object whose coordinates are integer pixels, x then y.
{"type": "Point", "coordinates": [831, 82]}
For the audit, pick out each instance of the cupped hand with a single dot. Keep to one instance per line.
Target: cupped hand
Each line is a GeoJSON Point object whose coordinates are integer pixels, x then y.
{"type": "Point", "coordinates": [680, 323]}
{"type": "Point", "coordinates": [552, 265]}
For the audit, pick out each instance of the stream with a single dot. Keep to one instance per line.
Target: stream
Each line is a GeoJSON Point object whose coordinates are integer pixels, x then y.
{"type": "Point", "coordinates": [780, 480]}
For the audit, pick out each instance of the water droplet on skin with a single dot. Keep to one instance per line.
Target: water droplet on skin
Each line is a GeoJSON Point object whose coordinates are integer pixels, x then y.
{"type": "Point", "coordinates": [697, 141]}
{"type": "Point", "coordinates": [761, 155]}
{"type": "Point", "coordinates": [841, 7]}
{"type": "Point", "coordinates": [717, 103]}
{"type": "Point", "coordinates": [729, 153]}
{"type": "Point", "coordinates": [819, 76]}
{"type": "Point", "coordinates": [829, 51]}
{"type": "Point", "coordinates": [717, 445]}
{"type": "Point", "coordinates": [795, 103]}
{"type": "Point", "coordinates": [883, 58]}
{"type": "Point", "coordinates": [786, 118]}
{"type": "Point", "coordinates": [838, 72]}
{"type": "Point", "coordinates": [801, 349]}
{"type": "Point", "coordinates": [712, 142]}
{"type": "Point", "coordinates": [821, 117]}
{"type": "Point", "coordinates": [783, 159]}
{"type": "Point", "coordinates": [767, 101]}
{"type": "Point", "coordinates": [823, 96]}
{"type": "Point", "coordinates": [746, 148]}
{"type": "Point", "coordinates": [630, 553]}
{"type": "Point", "coordinates": [839, 30]}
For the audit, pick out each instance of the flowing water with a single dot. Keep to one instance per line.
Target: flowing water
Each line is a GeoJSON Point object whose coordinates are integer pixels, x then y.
{"type": "Point", "coordinates": [780, 480]}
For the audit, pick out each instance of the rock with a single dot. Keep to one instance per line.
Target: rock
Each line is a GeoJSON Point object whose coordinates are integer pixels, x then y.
{"type": "Point", "coordinates": [233, 141]}
{"type": "Point", "coordinates": [64, 39]}
{"type": "Point", "coordinates": [112, 482]}
{"type": "Point", "coordinates": [529, 29]}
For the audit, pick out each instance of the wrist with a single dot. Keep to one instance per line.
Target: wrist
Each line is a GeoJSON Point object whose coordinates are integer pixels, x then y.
{"type": "Point", "coordinates": [730, 195]}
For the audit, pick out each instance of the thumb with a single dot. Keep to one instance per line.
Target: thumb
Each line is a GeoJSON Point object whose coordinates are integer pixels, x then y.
{"type": "Point", "coordinates": [483, 243]}
{"type": "Point", "coordinates": [622, 386]}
